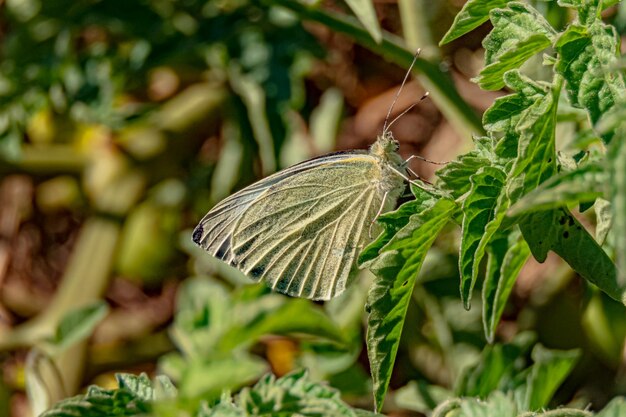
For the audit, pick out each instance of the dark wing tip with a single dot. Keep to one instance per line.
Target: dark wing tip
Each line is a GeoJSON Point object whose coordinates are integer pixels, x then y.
{"type": "Point", "coordinates": [197, 234]}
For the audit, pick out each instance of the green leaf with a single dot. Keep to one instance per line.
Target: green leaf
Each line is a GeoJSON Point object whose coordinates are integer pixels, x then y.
{"type": "Point", "coordinates": [473, 14]}
{"type": "Point", "coordinates": [519, 32]}
{"type": "Point", "coordinates": [483, 210]}
{"type": "Point", "coordinates": [505, 112]}
{"type": "Point", "coordinates": [536, 157]}
{"type": "Point", "coordinates": [507, 256]}
{"type": "Point", "coordinates": [551, 367]}
{"type": "Point", "coordinates": [365, 12]}
{"type": "Point", "coordinates": [497, 405]}
{"type": "Point", "coordinates": [616, 156]}
{"type": "Point", "coordinates": [141, 386]}
{"type": "Point", "coordinates": [293, 394]}
{"type": "Point", "coordinates": [291, 316]}
{"type": "Point", "coordinates": [454, 175]}
{"type": "Point", "coordinates": [98, 402]}
{"type": "Point", "coordinates": [492, 76]}
{"type": "Point", "coordinates": [497, 364]}
{"type": "Point", "coordinates": [77, 325]}
{"type": "Point", "coordinates": [392, 222]}
{"type": "Point", "coordinates": [584, 184]}
{"type": "Point", "coordinates": [396, 269]}
{"type": "Point", "coordinates": [588, 58]}
{"type": "Point", "coordinates": [208, 377]}
{"type": "Point", "coordinates": [559, 231]}
{"type": "Point", "coordinates": [420, 396]}
{"type": "Point", "coordinates": [588, 10]}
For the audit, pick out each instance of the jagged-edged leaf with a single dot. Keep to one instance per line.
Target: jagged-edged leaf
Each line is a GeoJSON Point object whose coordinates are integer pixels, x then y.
{"type": "Point", "coordinates": [454, 177]}
{"type": "Point", "coordinates": [497, 405]}
{"type": "Point", "coordinates": [492, 76]}
{"type": "Point", "coordinates": [588, 10]}
{"type": "Point", "coordinates": [293, 394]}
{"type": "Point", "coordinates": [506, 111]}
{"type": "Point", "coordinates": [551, 367]}
{"type": "Point", "coordinates": [483, 209]}
{"type": "Point", "coordinates": [99, 402]}
{"type": "Point", "coordinates": [392, 222]}
{"type": "Point", "coordinates": [584, 184]}
{"type": "Point", "coordinates": [507, 255]}
{"type": "Point", "coordinates": [587, 60]}
{"type": "Point", "coordinates": [365, 12]}
{"type": "Point", "coordinates": [561, 232]}
{"type": "Point", "coordinates": [396, 270]}
{"type": "Point", "coordinates": [536, 158]}
{"type": "Point", "coordinates": [519, 32]}
{"type": "Point", "coordinates": [473, 14]}
{"type": "Point", "coordinates": [141, 386]}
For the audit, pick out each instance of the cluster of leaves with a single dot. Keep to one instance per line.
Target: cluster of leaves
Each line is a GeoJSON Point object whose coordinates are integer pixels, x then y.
{"type": "Point", "coordinates": [293, 394]}
{"type": "Point", "coordinates": [520, 190]}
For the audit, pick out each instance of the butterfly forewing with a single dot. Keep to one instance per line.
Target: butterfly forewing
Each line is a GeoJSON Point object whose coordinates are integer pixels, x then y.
{"type": "Point", "coordinates": [299, 230]}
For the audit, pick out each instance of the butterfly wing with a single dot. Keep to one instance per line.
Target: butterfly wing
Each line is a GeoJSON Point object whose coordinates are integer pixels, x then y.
{"type": "Point", "coordinates": [301, 229]}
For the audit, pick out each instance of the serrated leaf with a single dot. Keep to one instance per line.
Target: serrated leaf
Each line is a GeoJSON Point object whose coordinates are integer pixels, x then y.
{"type": "Point", "coordinates": [392, 222]}
{"type": "Point", "coordinates": [455, 175]}
{"type": "Point", "coordinates": [492, 76]}
{"type": "Point", "coordinates": [519, 32]}
{"type": "Point", "coordinates": [587, 61]}
{"type": "Point", "coordinates": [77, 325]}
{"type": "Point", "coordinates": [559, 231]}
{"type": "Point", "coordinates": [506, 111]}
{"type": "Point", "coordinates": [143, 388]}
{"type": "Point", "coordinates": [507, 256]}
{"type": "Point", "coordinates": [98, 402]}
{"type": "Point", "coordinates": [536, 157]}
{"type": "Point", "coordinates": [584, 184]}
{"type": "Point", "coordinates": [365, 12]}
{"type": "Point", "coordinates": [293, 394]}
{"type": "Point", "coordinates": [473, 14]}
{"type": "Point", "coordinates": [396, 269]}
{"type": "Point", "coordinates": [497, 405]}
{"type": "Point", "coordinates": [551, 367]}
{"type": "Point", "coordinates": [483, 210]}
{"type": "Point", "coordinates": [587, 9]}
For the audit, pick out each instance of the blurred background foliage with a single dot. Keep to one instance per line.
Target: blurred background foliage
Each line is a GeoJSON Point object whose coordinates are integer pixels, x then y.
{"type": "Point", "coordinates": [123, 122]}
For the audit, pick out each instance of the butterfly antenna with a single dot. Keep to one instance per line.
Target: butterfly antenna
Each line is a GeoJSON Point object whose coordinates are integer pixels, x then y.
{"type": "Point", "coordinates": [408, 109]}
{"type": "Point", "coordinates": [406, 77]}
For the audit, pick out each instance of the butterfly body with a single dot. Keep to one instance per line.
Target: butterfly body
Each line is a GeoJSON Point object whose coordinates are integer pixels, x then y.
{"type": "Point", "coordinates": [301, 229]}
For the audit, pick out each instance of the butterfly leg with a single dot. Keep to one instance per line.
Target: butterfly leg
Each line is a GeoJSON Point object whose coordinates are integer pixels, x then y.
{"type": "Point", "coordinates": [380, 210]}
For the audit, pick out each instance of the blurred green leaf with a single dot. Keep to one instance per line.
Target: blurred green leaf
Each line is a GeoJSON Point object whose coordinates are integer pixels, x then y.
{"type": "Point", "coordinates": [365, 12]}
{"type": "Point", "coordinates": [420, 396]}
{"type": "Point", "coordinates": [551, 367]}
{"type": "Point", "coordinates": [396, 269]}
{"type": "Point", "coordinates": [77, 325]}
{"type": "Point", "coordinates": [615, 408]}
{"type": "Point", "coordinates": [473, 14]}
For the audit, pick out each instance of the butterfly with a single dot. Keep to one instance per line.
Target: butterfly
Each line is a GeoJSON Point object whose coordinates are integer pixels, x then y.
{"type": "Point", "coordinates": [301, 230]}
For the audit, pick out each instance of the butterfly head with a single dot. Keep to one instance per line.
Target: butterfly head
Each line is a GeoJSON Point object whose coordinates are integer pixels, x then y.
{"type": "Point", "coordinates": [385, 147]}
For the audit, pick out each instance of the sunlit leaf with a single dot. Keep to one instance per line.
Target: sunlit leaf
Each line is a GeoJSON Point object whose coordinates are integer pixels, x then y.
{"type": "Point", "coordinates": [473, 14]}
{"type": "Point", "coordinates": [365, 12]}
{"type": "Point", "coordinates": [396, 269]}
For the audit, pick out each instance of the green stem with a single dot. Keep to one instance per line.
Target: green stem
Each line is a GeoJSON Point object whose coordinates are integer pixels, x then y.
{"type": "Point", "coordinates": [464, 119]}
